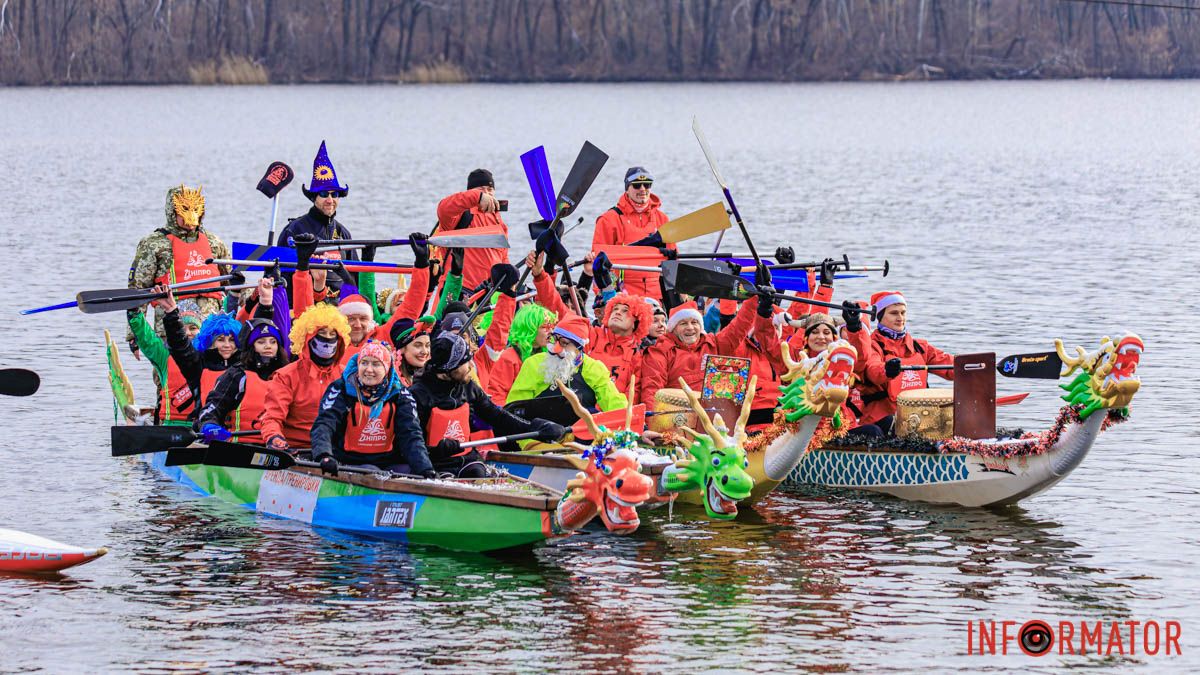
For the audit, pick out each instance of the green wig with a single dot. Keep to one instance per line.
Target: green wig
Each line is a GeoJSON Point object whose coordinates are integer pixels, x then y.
{"type": "Point", "coordinates": [525, 327]}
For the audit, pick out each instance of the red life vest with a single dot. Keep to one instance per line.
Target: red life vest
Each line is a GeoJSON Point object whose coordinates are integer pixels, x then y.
{"type": "Point", "coordinates": [454, 423]}
{"type": "Point", "coordinates": [366, 435]}
{"type": "Point", "coordinates": [175, 400]}
{"type": "Point", "coordinates": [208, 380]}
{"type": "Point", "coordinates": [254, 399]}
{"type": "Point", "coordinates": [187, 262]}
{"type": "Point", "coordinates": [909, 379]}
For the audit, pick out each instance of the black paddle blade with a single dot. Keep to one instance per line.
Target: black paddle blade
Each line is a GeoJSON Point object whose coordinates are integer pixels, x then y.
{"type": "Point", "coordinates": [243, 456]}
{"type": "Point", "coordinates": [539, 227]}
{"type": "Point", "coordinates": [692, 278]}
{"type": "Point", "coordinates": [557, 409]}
{"type": "Point", "coordinates": [551, 245]}
{"type": "Point", "coordinates": [276, 178]}
{"type": "Point", "coordinates": [19, 382]}
{"type": "Point", "coordinates": [583, 173]}
{"type": "Point", "coordinates": [98, 302]}
{"type": "Point", "coordinates": [135, 440]}
{"type": "Point", "coordinates": [1040, 366]}
{"type": "Point", "coordinates": [670, 269]}
{"type": "Point", "coordinates": [185, 456]}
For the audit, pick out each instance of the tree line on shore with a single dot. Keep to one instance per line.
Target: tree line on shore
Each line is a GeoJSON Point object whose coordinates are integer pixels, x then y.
{"type": "Point", "coordinates": [56, 42]}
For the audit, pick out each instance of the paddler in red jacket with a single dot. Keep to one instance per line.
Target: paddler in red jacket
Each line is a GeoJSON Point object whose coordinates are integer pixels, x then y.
{"type": "Point", "coordinates": [680, 352]}
{"type": "Point", "coordinates": [476, 207]}
{"type": "Point", "coordinates": [319, 336]}
{"type": "Point", "coordinates": [635, 217]}
{"type": "Point", "coordinates": [888, 348]}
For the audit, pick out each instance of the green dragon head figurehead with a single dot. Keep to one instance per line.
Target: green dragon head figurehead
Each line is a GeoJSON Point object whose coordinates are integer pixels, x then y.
{"type": "Point", "coordinates": [1107, 377]}
{"type": "Point", "coordinates": [817, 385]}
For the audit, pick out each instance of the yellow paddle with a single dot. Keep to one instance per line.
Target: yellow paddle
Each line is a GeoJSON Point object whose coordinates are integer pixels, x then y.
{"type": "Point", "coordinates": [707, 220]}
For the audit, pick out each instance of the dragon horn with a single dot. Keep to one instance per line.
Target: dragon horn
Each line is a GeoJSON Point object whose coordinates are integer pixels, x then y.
{"type": "Point", "coordinates": [629, 408]}
{"type": "Point", "coordinates": [1071, 362]}
{"type": "Point", "coordinates": [694, 399]}
{"type": "Point", "coordinates": [579, 409]}
{"type": "Point", "coordinates": [792, 365]}
{"type": "Point", "coordinates": [739, 429]}
{"type": "Point", "coordinates": [691, 432]}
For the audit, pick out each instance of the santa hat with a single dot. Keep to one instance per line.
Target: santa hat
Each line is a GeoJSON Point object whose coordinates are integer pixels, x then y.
{"type": "Point", "coordinates": [352, 302]}
{"type": "Point", "coordinates": [574, 328]}
{"type": "Point", "coordinates": [687, 310]}
{"type": "Point", "coordinates": [884, 299]}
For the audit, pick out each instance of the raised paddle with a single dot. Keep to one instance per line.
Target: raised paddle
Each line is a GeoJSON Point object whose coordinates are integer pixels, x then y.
{"type": "Point", "coordinates": [99, 305]}
{"type": "Point", "coordinates": [695, 280]}
{"type": "Point", "coordinates": [19, 382]}
{"type": "Point", "coordinates": [277, 177]}
{"type": "Point", "coordinates": [537, 173]}
{"type": "Point", "coordinates": [1035, 366]}
{"type": "Point", "coordinates": [712, 218]}
{"type": "Point", "coordinates": [131, 292]}
{"type": "Point", "coordinates": [135, 440]}
{"type": "Point", "coordinates": [737, 217]}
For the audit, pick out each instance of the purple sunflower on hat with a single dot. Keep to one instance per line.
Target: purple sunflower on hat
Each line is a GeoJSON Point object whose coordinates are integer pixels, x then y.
{"type": "Point", "coordinates": [324, 177]}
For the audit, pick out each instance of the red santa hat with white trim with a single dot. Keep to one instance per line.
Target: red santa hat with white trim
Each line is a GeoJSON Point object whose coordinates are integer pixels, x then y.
{"type": "Point", "coordinates": [353, 303]}
{"type": "Point", "coordinates": [884, 299]}
{"type": "Point", "coordinates": [687, 310]}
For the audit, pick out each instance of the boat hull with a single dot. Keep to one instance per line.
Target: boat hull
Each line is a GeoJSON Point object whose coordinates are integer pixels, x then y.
{"type": "Point", "coordinates": [24, 553]}
{"type": "Point", "coordinates": [951, 478]}
{"type": "Point", "coordinates": [343, 505]}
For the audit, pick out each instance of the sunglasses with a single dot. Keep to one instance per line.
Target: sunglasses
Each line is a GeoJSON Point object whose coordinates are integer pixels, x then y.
{"type": "Point", "coordinates": [640, 185]}
{"type": "Point", "coordinates": [336, 194]}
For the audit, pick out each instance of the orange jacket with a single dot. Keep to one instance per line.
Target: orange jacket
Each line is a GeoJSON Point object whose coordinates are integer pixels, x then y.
{"type": "Point", "coordinates": [669, 359]}
{"type": "Point", "coordinates": [622, 224]}
{"type": "Point", "coordinates": [766, 363]}
{"type": "Point", "coordinates": [294, 392]}
{"type": "Point", "coordinates": [477, 262]}
{"type": "Point", "coordinates": [494, 340]}
{"type": "Point", "coordinates": [878, 392]}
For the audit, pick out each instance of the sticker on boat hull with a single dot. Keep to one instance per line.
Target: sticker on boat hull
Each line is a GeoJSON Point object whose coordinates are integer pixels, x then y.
{"type": "Point", "coordinates": [288, 494]}
{"type": "Point", "coordinates": [395, 514]}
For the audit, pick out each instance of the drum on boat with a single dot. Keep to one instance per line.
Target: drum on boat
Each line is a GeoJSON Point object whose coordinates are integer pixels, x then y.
{"type": "Point", "coordinates": [676, 411]}
{"type": "Point", "coordinates": [928, 413]}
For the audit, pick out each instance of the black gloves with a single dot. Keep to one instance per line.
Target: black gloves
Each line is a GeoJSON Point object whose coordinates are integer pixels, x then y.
{"type": "Point", "coordinates": [344, 274]}
{"type": "Point", "coordinates": [504, 278]}
{"type": "Point", "coordinates": [329, 465]}
{"type": "Point", "coordinates": [429, 475]}
{"type": "Point", "coordinates": [602, 270]}
{"type": "Point", "coordinates": [456, 261]}
{"type": "Point", "coordinates": [766, 301]}
{"type": "Point", "coordinates": [668, 253]}
{"type": "Point", "coordinates": [419, 244]}
{"type": "Point", "coordinates": [891, 367]}
{"type": "Point", "coordinates": [306, 246]}
{"type": "Point", "coordinates": [762, 276]}
{"type": "Point", "coordinates": [853, 318]}
{"type": "Point", "coordinates": [784, 255]}
{"type": "Point", "coordinates": [368, 253]}
{"type": "Point", "coordinates": [653, 239]}
{"type": "Point", "coordinates": [547, 431]}
{"type": "Point", "coordinates": [827, 267]}
{"type": "Point", "coordinates": [445, 449]}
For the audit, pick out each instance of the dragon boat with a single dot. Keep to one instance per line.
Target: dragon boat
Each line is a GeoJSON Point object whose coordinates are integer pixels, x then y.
{"type": "Point", "coordinates": [995, 471]}
{"type": "Point", "coordinates": [484, 514]}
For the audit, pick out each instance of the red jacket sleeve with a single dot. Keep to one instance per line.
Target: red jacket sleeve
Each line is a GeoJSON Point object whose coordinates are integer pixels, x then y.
{"type": "Point", "coordinates": [548, 297]}
{"type": "Point", "coordinates": [937, 357]}
{"type": "Point", "coordinates": [732, 335]}
{"type": "Point", "coordinates": [764, 331]}
{"type": "Point", "coordinates": [502, 317]}
{"type": "Point", "coordinates": [654, 371]}
{"type": "Point", "coordinates": [302, 294]}
{"type": "Point", "coordinates": [411, 306]}
{"type": "Point", "coordinates": [450, 209]}
{"type": "Point", "coordinates": [278, 402]}
{"type": "Point", "coordinates": [504, 372]}
{"type": "Point", "coordinates": [607, 229]}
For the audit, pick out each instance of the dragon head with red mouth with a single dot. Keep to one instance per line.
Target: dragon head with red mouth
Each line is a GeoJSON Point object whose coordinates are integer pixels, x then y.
{"type": "Point", "coordinates": [1107, 377]}
{"type": "Point", "coordinates": [820, 384]}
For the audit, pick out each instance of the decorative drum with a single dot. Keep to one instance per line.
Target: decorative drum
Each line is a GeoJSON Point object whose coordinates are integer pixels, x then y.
{"type": "Point", "coordinates": [680, 415]}
{"type": "Point", "coordinates": [928, 413]}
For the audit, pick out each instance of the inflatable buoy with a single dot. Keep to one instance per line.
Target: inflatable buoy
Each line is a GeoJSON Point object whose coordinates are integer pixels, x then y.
{"type": "Point", "coordinates": [23, 552]}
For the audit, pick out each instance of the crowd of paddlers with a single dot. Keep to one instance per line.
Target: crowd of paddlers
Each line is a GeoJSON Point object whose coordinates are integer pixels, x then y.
{"type": "Point", "coordinates": [401, 366]}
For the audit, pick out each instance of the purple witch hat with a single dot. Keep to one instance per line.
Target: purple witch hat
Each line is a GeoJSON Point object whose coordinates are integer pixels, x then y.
{"type": "Point", "coordinates": [323, 176]}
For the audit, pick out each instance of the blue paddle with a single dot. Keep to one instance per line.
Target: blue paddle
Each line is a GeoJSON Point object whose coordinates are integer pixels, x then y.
{"type": "Point", "coordinates": [537, 172]}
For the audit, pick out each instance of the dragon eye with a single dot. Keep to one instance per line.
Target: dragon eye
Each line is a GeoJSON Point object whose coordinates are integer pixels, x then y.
{"type": "Point", "coordinates": [716, 461]}
{"type": "Point", "coordinates": [607, 470]}
{"type": "Point", "coordinates": [620, 483]}
{"type": "Point", "coordinates": [745, 464]}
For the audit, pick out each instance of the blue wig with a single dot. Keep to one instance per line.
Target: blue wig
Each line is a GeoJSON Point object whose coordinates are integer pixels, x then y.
{"type": "Point", "coordinates": [215, 325]}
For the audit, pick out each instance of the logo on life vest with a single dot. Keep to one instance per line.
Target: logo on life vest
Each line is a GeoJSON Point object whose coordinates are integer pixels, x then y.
{"type": "Point", "coordinates": [373, 432]}
{"type": "Point", "coordinates": [454, 430]}
{"type": "Point", "coordinates": [195, 260]}
{"type": "Point", "coordinates": [910, 379]}
{"type": "Point", "coordinates": [394, 514]}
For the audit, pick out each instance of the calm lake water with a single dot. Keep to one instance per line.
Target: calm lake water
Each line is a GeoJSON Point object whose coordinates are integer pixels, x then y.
{"type": "Point", "coordinates": [1011, 213]}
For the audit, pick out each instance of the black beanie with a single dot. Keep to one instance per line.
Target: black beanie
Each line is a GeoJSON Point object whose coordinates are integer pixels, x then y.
{"type": "Point", "coordinates": [480, 178]}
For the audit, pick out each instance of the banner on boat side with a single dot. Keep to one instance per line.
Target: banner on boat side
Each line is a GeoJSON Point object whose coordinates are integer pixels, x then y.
{"type": "Point", "coordinates": [395, 514]}
{"type": "Point", "coordinates": [1099, 638]}
{"type": "Point", "coordinates": [289, 494]}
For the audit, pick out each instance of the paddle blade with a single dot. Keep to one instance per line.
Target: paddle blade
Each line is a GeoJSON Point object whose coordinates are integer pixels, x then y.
{"type": "Point", "coordinates": [276, 178]}
{"type": "Point", "coordinates": [242, 456]}
{"type": "Point", "coordinates": [477, 237]}
{"type": "Point", "coordinates": [537, 172]}
{"type": "Point", "coordinates": [707, 220]}
{"type": "Point", "coordinates": [135, 440]}
{"type": "Point", "coordinates": [782, 280]}
{"type": "Point", "coordinates": [185, 456]}
{"type": "Point", "coordinates": [708, 278]}
{"type": "Point", "coordinates": [583, 173]}
{"type": "Point", "coordinates": [1039, 366]}
{"type": "Point", "coordinates": [98, 302]}
{"type": "Point", "coordinates": [708, 155]}
{"type": "Point", "coordinates": [19, 382]}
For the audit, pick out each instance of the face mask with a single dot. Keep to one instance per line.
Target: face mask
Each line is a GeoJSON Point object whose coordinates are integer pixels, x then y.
{"type": "Point", "coordinates": [322, 347]}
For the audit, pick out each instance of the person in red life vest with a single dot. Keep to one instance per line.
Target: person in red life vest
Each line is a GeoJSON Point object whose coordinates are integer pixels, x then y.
{"type": "Point", "coordinates": [176, 253]}
{"type": "Point", "coordinates": [240, 394]}
{"type": "Point", "coordinates": [615, 342]}
{"type": "Point", "coordinates": [529, 335]}
{"type": "Point", "coordinates": [202, 359]}
{"type": "Point", "coordinates": [368, 418]}
{"type": "Point", "coordinates": [633, 221]}
{"type": "Point", "coordinates": [176, 401]}
{"type": "Point", "coordinates": [447, 397]}
{"type": "Point", "coordinates": [890, 347]}
{"type": "Point", "coordinates": [411, 340]}
{"type": "Point", "coordinates": [680, 352]}
{"type": "Point", "coordinates": [564, 361]}
{"type": "Point", "coordinates": [475, 207]}
{"type": "Point", "coordinates": [319, 338]}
